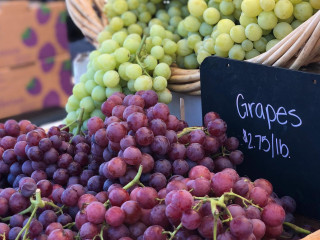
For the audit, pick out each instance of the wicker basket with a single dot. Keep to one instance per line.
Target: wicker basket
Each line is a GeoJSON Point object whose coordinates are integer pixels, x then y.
{"type": "Point", "coordinates": [301, 47]}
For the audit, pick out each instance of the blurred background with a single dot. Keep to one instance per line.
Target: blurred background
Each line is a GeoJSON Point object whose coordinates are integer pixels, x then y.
{"type": "Point", "coordinates": [38, 43]}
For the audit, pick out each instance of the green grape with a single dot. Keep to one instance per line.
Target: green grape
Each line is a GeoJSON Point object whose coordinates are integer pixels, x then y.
{"type": "Point", "coordinates": [110, 91]}
{"type": "Point", "coordinates": [296, 23]}
{"type": "Point", "coordinates": [122, 71]}
{"type": "Point", "coordinates": [251, 8]}
{"type": "Point", "coordinates": [215, 34]}
{"type": "Point", "coordinates": [237, 33]}
{"type": "Point", "coordinates": [169, 35]}
{"type": "Point", "coordinates": [156, 41]}
{"type": "Point", "coordinates": [283, 9]}
{"type": "Point", "coordinates": [155, 21]}
{"type": "Point", "coordinates": [192, 40]}
{"type": "Point", "coordinates": [198, 46]}
{"type": "Point", "coordinates": [211, 16]}
{"type": "Point", "coordinates": [84, 126]}
{"type": "Point", "coordinates": [245, 20]}
{"type": "Point", "coordinates": [69, 108]}
{"type": "Point", "coordinates": [185, 11]}
{"type": "Point", "coordinates": [174, 11]}
{"type": "Point", "coordinates": [106, 62]}
{"type": "Point", "coordinates": [116, 23]}
{"type": "Point", "coordinates": [104, 35]}
{"type": "Point", "coordinates": [128, 18]}
{"type": "Point", "coordinates": [71, 117]}
{"type": "Point", "coordinates": [98, 77]}
{"type": "Point", "coordinates": [143, 83]}
{"type": "Point", "coordinates": [226, 8]}
{"type": "Point", "coordinates": [157, 52]}
{"type": "Point", "coordinates": [111, 79]}
{"type": "Point", "coordinates": [191, 24]}
{"type": "Point", "coordinates": [315, 4]}
{"type": "Point", "coordinates": [281, 30]}
{"type": "Point", "coordinates": [181, 30]}
{"type": "Point", "coordinates": [253, 32]}
{"type": "Point", "coordinates": [159, 83]}
{"type": "Point", "coordinates": [205, 29]}
{"type": "Point", "coordinates": [163, 16]}
{"type": "Point", "coordinates": [90, 85]}
{"type": "Point", "coordinates": [197, 7]}
{"type": "Point", "coordinates": [87, 104]}
{"type": "Point", "coordinates": [152, 9]}
{"type": "Point", "coordinates": [97, 113]}
{"type": "Point", "coordinates": [122, 55]}
{"type": "Point", "coordinates": [303, 11]}
{"type": "Point", "coordinates": [225, 25]}
{"type": "Point", "coordinates": [261, 44]}
{"type": "Point", "coordinates": [237, 4]}
{"type": "Point", "coordinates": [190, 61]}
{"type": "Point", "coordinates": [133, 71]}
{"type": "Point", "coordinates": [162, 69]}
{"type": "Point", "coordinates": [157, 30]}
{"type": "Point", "coordinates": [176, 37]}
{"type": "Point", "coordinates": [224, 42]}
{"type": "Point", "coordinates": [174, 21]}
{"type": "Point", "coordinates": [131, 85]}
{"type": "Point", "coordinates": [98, 94]}
{"type": "Point", "coordinates": [142, 7]}
{"type": "Point", "coordinates": [267, 5]}
{"type": "Point", "coordinates": [145, 17]}
{"type": "Point", "coordinates": [269, 37]}
{"type": "Point", "coordinates": [120, 6]}
{"type": "Point", "coordinates": [134, 36]}
{"type": "Point", "coordinates": [271, 43]}
{"type": "Point", "coordinates": [83, 78]}
{"type": "Point", "coordinates": [208, 45]}
{"type": "Point", "coordinates": [79, 90]}
{"type": "Point", "coordinates": [131, 44]}
{"type": "Point", "coordinates": [109, 46]}
{"type": "Point", "coordinates": [252, 53]}
{"type": "Point", "coordinates": [73, 101]}
{"type": "Point", "coordinates": [202, 55]}
{"type": "Point", "coordinates": [150, 62]}
{"type": "Point", "coordinates": [267, 20]}
{"type": "Point", "coordinates": [166, 59]}
{"type": "Point", "coordinates": [295, 1]}
{"type": "Point", "coordinates": [165, 96]}
{"type": "Point", "coordinates": [119, 37]}
{"type": "Point", "coordinates": [97, 104]}
{"type": "Point", "coordinates": [237, 14]}
{"type": "Point", "coordinates": [247, 45]}
{"type": "Point", "coordinates": [183, 48]}
{"type": "Point", "coordinates": [180, 61]}
{"type": "Point", "coordinates": [135, 28]}
{"type": "Point", "coordinates": [236, 52]}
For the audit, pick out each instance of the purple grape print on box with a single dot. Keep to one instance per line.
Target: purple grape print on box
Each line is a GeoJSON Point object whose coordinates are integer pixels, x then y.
{"type": "Point", "coordinates": [65, 77]}
{"type": "Point", "coordinates": [34, 87]}
{"type": "Point", "coordinates": [52, 99]}
{"type": "Point", "coordinates": [47, 64]}
{"type": "Point", "coordinates": [29, 37]}
{"type": "Point", "coordinates": [61, 30]}
{"type": "Point", "coordinates": [47, 51]}
{"type": "Point", "coordinates": [43, 14]}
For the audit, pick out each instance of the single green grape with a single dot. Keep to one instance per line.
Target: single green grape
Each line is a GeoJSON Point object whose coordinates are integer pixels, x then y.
{"type": "Point", "coordinates": [111, 79]}
{"type": "Point", "coordinates": [247, 45]}
{"type": "Point", "coordinates": [315, 4]}
{"type": "Point", "coordinates": [211, 16]}
{"type": "Point", "coordinates": [181, 30]}
{"type": "Point", "coordinates": [73, 101]}
{"type": "Point", "coordinates": [175, 20]}
{"type": "Point", "coordinates": [224, 42]}
{"type": "Point", "coordinates": [197, 7]}
{"type": "Point", "coordinates": [267, 5]}
{"type": "Point", "coordinates": [98, 94]}
{"type": "Point", "coordinates": [162, 69]}
{"type": "Point", "coordinates": [302, 11]}
{"type": "Point", "coordinates": [208, 45]}
{"type": "Point", "coordinates": [87, 104]}
{"type": "Point", "coordinates": [226, 8]}
{"type": "Point", "coordinates": [144, 17]}
{"type": "Point", "coordinates": [106, 62]}
{"type": "Point", "coordinates": [150, 62]}
{"type": "Point", "coordinates": [135, 28]}
{"type": "Point", "coordinates": [165, 96]}
{"type": "Point", "coordinates": [71, 117]}
{"type": "Point", "coordinates": [143, 83]}
{"type": "Point", "coordinates": [98, 77]}
{"type": "Point", "coordinates": [152, 9]}
{"type": "Point", "coordinates": [109, 46]}
{"type": "Point", "coordinates": [267, 20]}
{"type": "Point", "coordinates": [131, 44]}
{"type": "Point", "coordinates": [120, 6]}
{"type": "Point", "coordinates": [79, 90]}
{"type": "Point", "coordinates": [159, 83]}
{"type": "Point", "coordinates": [190, 61]}
{"type": "Point", "coordinates": [245, 20]}
{"type": "Point", "coordinates": [157, 30]}
{"type": "Point", "coordinates": [282, 30]}
{"type": "Point", "coordinates": [122, 71]}
{"type": "Point", "coordinates": [253, 32]}
{"type": "Point", "coordinates": [198, 46]}
{"type": "Point", "coordinates": [271, 43]}
{"type": "Point", "coordinates": [261, 44]}
{"type": "Point", "coordinates": [174, 11]}
{"type": "Point", "coordinates": [251, 8]}
{"type": "Point", "coordinates": [133, 71]}
{"type": "Point", "coordinates": [156, 41]}
{"type": "Point", "coordinates": [252, 53]}
{"type": "Point", "coordinates": [110, 91]}
{"type": "Point", "coordinates": [90, 85]}
{"type": "Point", "coordinates": [131, 85]}
{"type": "Point", "coordinates": [237, 33]}
{"type": "Point", "coordinates": [236, 52]}
{"type": "Point", "coordinates": [83, 78]}
{"type": "Point", "coordinates": [220, 53]}
{"type": "Point", "coordinates": [205, 29]}
{"type": "Point", "coordinates": [166, 59]}
{"type": "Point", "coordinates": [122, 55]}
{"type": "Point", "coordinates": [128, 18]}
{"type": "Point", "coordinates": [296, 23]}
{"type": "Point", "coordinates": [225, 25]}
{"type": "Point", "coordinates": [191, 24]}
{"type": "Point", "coordinates": [97, 113]}
{"type": "Point", "coordinates": [183, 48]}
{"type": "Point", "coordinates": [157, 52]}
{"type": "Point", "coordinates": [193, 39]}
{"type": "Point", "coordinates": [170, 47]}
{"type": "Point", "coordinates": [283, 9]}
{"type": "Point", "coordinates": [104, 35]}
{"type": "Point", "coordinates": [119, 37]}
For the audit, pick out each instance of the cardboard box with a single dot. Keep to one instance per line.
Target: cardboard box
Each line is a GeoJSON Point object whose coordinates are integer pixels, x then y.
{"type": "Point", "coordinates": [30, 88]}
{"type": "Point", "coordinates": [30, 31]}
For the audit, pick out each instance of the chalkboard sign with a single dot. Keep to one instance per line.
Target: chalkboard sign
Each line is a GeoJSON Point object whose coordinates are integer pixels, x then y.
{"type": "Point", "coordinates": [275, 114]}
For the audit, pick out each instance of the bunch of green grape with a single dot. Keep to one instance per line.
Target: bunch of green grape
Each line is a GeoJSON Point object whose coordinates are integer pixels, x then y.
{"type": "Point", "coordinates": [238, 29]}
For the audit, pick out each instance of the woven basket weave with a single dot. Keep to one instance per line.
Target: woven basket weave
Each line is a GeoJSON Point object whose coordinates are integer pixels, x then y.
{"type": "Point", "coordinates": [300, 48]}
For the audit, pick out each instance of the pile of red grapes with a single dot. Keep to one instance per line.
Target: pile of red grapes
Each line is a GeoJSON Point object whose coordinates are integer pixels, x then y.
{"type": "Point", "coordinates": [139, 174]}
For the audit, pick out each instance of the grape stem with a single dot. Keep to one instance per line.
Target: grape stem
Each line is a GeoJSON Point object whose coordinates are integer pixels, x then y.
{"type": "Point", "coordinates": [296, 228]}
{"type": "Point", "coordinates": [172, 234]}
{"type": "Point", "coordinates": [136, 179]}
{"type": "Point", "coordinates": [27, 226]}
{"type": "Point", "coordinates": [79, 120]}
{"type": "Point", "coordinates": [138, 53]}
{"type": "Point", "coordinates": [69, 225]}
{"type": "Point", "coordinates": [243, 199]}
{"type": "Point", "coordinates": [188, 130]}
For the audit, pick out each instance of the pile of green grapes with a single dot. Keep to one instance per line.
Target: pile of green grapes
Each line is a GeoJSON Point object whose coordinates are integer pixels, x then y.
{"type": "Point", "coordinates": [144, 37]}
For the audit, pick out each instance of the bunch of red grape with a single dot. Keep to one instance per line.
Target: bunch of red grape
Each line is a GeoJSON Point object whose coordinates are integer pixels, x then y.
{"type": "Point", "coordinates": [140, 174]}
